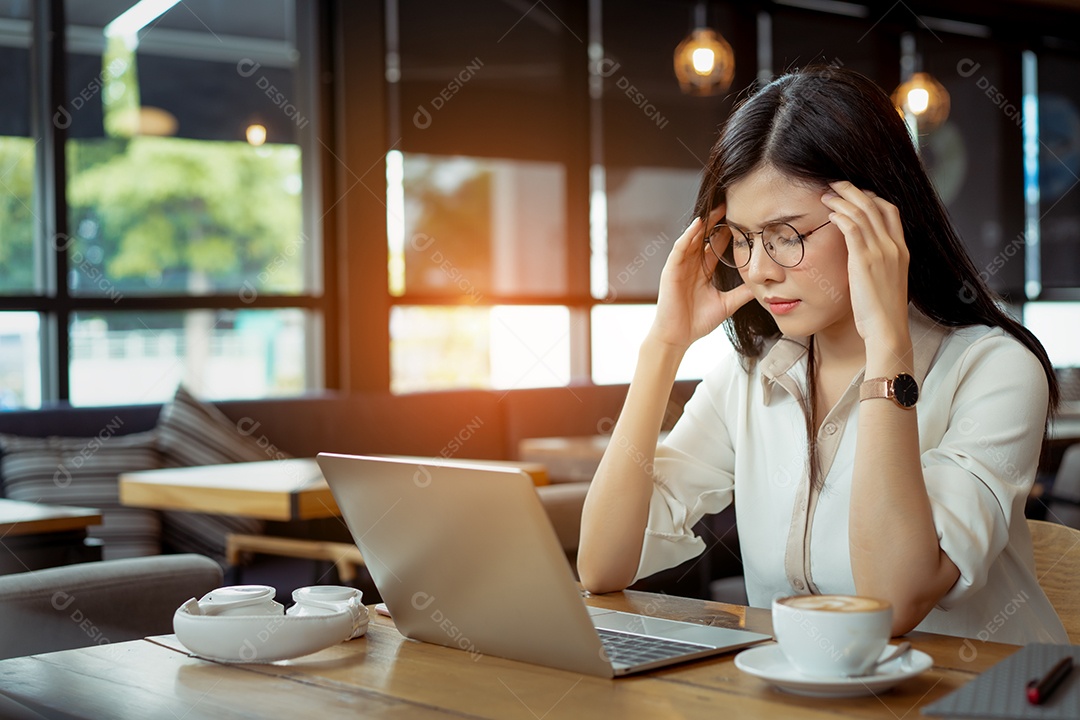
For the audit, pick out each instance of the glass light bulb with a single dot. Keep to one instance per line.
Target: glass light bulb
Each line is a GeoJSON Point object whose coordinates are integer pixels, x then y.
{"type": "Point", "coordinates": [918, 99]}
{"type": "Point", "coordinates": [703, 59]}
{"type": "Point", "coordinates": [256, 134]}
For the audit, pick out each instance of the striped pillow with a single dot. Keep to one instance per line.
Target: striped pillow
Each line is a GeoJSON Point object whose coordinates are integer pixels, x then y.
{"type": "Point", "coordinates": [192, 433]}
{"type": "Point", "coordinates": [83, 472]}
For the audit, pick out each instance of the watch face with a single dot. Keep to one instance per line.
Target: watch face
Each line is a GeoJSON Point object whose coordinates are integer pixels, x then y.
{"type": "Point", "coordinates": [905, 390]}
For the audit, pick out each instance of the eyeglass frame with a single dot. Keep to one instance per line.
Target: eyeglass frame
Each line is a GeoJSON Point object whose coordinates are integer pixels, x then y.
{"type": "Point", "coordinates": [749, 238]}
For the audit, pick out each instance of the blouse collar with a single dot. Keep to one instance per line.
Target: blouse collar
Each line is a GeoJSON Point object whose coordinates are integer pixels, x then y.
{"type": "Point", "coordinates": [787, 352]}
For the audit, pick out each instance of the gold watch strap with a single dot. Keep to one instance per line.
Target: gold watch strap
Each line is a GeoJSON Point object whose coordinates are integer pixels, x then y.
{"type": "Point", "coordinates": [874, 388]}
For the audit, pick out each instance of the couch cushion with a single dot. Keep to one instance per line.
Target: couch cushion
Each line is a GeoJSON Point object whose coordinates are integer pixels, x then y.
{"type": "Point", "coordinates": [98, 602]}
{"type": "Point", "coordinates": [83, 472]}
{"type": "Point", "coordinates": [192, 433]}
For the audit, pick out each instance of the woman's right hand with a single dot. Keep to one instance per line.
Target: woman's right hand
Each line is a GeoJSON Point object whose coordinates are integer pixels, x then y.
{"type": "Point", "coordinates": [689, 307]}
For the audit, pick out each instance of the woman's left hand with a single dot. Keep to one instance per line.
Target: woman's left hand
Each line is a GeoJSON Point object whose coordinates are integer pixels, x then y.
{"type": "Point", "coordinates": [877, 262]}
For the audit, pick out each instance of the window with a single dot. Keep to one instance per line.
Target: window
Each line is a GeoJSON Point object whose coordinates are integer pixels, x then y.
{"type": "Point", "coordinates": [20, 332]}
{"type": "Point", "coordinates": [187, 245]}
{"type": "Point", "coordinates": [1059, 172]}
{"type": "Point", "coordinates": [975, 157]}
{"type": "Point", "coordinates": [544, 162]}
{"type": "Point", "coordinates": [482, 215]}
{"type": "Point", "coordinates": [655, 141]}
{"type": "Point", "coordinates": [1046, 320]}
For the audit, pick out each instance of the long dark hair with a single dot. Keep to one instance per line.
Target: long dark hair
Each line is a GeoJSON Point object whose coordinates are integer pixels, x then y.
{"type": "Point", "coordinates": [825, 123]}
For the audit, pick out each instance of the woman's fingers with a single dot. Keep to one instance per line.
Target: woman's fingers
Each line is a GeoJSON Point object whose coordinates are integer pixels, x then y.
{"type": "Point", "coordinates": [891, 215]}
{"type": "Point", "coordinates": [736, 297]}
{"type": "Point", "coordinates": [687, 238]}
{"type": "Point", "coordinates": [878, 219]}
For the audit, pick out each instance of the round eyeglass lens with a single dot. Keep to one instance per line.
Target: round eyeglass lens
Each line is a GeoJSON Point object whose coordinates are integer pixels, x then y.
{"type": "Point", "coordinates": [783, 243]}
{"type": "Point", "coordinates": [729, 246]}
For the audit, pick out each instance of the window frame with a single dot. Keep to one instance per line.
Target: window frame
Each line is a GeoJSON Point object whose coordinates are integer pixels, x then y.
{"type": "Point", "coordinates": [56, 305]}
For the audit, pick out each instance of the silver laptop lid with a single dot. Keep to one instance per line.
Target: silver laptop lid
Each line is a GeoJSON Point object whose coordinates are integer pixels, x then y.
{"type": "Point", "coordinates": [464, 556]}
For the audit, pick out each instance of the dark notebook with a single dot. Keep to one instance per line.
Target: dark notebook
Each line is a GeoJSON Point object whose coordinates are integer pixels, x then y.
{"type": "Point", "coordinates": [1001, 691]}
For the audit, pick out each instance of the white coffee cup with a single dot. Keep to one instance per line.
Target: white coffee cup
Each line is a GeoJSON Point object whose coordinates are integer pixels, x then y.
{"type": "Point", "coordinates": [831, 635]}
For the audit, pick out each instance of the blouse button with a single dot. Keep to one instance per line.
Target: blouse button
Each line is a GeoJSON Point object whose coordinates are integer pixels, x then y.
{"type": "Point", "coordinates": [830, 428]}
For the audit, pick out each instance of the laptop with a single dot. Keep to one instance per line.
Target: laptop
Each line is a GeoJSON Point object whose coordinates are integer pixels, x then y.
{"type": "Point", "coordinates": [464, 556]}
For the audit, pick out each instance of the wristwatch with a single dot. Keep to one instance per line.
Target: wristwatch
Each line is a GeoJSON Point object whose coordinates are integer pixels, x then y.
{"type": "Point", "coordinates": [902, 390]}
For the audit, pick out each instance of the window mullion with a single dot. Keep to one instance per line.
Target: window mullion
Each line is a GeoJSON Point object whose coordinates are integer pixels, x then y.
{"type": "Point", "coordinates": [49, 121]}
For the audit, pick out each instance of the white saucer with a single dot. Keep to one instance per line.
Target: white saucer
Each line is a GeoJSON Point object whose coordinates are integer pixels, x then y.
{"type": "Point", "coordinates": [768, 663]}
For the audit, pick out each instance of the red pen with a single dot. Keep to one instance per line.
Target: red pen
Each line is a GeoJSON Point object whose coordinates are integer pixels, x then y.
{"type": "Point", "coordinates": [1040, 689]}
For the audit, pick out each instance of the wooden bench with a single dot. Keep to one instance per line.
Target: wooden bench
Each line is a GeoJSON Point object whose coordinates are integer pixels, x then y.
{"type": "Point", "coordinates": [345, 557]}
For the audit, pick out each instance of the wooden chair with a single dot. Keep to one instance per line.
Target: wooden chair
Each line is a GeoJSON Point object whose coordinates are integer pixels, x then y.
{"type": "Point", "coordinates": [1063, 502]}
{"type": "Point", "coordinates": [1057, 565]}
{"type": "Point", "coordinates": [346, 557]}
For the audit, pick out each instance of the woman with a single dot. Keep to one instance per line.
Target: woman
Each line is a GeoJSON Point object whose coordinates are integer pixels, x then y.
{"type": "Point", "coordinates": [880, 423]}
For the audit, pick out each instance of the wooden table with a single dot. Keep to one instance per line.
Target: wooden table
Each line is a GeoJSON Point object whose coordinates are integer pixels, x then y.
{"type": "Point", "coordinates": [384, 674]}
{"type": "Point", "coordinates": [292, 489]}
{"type": "Point", "coordinates": [35, 535]}
{"type": "Point", "coordinates": [568, 459]}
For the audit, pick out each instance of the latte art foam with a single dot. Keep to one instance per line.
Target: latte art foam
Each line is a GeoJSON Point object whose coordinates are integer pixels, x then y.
{"type": "Point", "coordinates": [835, 603]}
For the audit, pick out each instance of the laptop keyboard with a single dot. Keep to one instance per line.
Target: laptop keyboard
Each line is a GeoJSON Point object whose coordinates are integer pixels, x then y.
{"type": "Point", "coordinates": [628, 649]}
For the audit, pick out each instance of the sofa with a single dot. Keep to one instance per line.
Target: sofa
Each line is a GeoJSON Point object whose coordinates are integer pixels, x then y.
{"type": "Point", "coordinates": [474, 424]}
{"type": "Point", "coordinates": [98, 603]}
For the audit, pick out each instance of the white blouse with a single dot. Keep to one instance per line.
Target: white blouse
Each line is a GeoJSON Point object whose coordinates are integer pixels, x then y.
{"type": "Point", "coordinates": [981, 409]}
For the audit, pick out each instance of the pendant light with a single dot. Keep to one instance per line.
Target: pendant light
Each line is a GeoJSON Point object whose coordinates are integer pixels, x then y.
{"type": "Point", "coordinates": [704, 60]}
{"type": "Point", "coordinates": [921, 99]}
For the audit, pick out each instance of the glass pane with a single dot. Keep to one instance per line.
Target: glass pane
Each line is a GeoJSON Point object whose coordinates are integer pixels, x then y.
{"type": "Point", "coordinates": [976, 154]}
{"type": "Point", "coordinates": [866, 44]}
{"type": "Point", "coordinates": [504, 347]}
{"type": "Point", "coordinates": [20, 360]}
{"type": "Point", "coordinates": [617, 334]}
{"type": "Point", "coordinates": [1048, 320]}
{"type": "Point", "coordinates": [18, 272]}
{"type": "Point", "coordinates": [648, 208]}
{"type": "Point", "coordinates": [1059, 169]}
{"type": "Point", "coordinates": [122, 357]}
{"type": "Point", "coordinates": [474, 227]}
{"type": "Point", "coordinates": [655, 139]}
{"type": "Point", "coordinates": [494, 82]}
{"type": "Point", "coordinates": [184, 151]}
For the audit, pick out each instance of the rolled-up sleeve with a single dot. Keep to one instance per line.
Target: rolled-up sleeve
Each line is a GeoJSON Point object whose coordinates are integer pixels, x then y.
{"type": "Point", "coordinates": [693, 475]}
{"type": "Point", "coordinates": [979, 476]}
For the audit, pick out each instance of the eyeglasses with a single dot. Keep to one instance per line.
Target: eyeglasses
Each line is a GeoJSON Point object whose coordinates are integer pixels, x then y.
{"type": "Point", "coordinates": [782, 242]}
